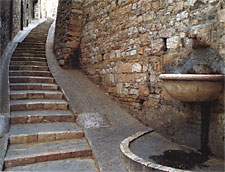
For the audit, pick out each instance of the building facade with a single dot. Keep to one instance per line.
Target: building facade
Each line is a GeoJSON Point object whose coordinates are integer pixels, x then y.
{"type": "Point", "coordinates": [124, 45]}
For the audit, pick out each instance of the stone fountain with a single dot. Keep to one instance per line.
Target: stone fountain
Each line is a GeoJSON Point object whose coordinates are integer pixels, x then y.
{"type": "Point", "coordinates": [203, 88]}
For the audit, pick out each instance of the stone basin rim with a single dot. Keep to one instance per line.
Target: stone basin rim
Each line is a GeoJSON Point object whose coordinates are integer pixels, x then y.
{"type": "Point", "coordinates": [192, 77]}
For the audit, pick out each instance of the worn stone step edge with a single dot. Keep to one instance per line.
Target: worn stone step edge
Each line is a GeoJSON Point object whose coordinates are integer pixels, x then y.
{"type": "Point", "coordinates": [35, 94]}
{"type": "Point", "coordinates": [33, 86]}
{"type": "Point", "coordinates": [30, 79]}
{"type": "Point", "coordinates": [48, 157]}
{"type": "Point", "coordinates": [43, 137]}
{"type": "Point", "coordinates": [28, 52]}
{"type": "Point", "coordinates": [28, 55]}
{"type": "Point", "coordinates": [31, 47]}
{"type": "Point", "coordinates": [28, 67]}
{"type": "Point", "coordinates": [36, 104]}
{"type": "Point", "coordinates": [36, 63]}
{"type": "Point", "coordinates": [42, 117]}
{"type": "Point", "coordinates": [38, 59]}
{"type": "Point", "coordinates": [29, 73]}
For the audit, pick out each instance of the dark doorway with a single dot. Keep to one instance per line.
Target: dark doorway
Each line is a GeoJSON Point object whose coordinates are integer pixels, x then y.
{"type": "Point", "coordinates": [21, 19]}
{"type": "Point", "coordinates": [27, 16]}
{"type": "Point", "coordinates": [11, 20]}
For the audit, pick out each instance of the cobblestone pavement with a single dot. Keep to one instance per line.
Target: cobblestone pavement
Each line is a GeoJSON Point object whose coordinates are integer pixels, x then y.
{"type": "Point", "coordinates": [43, 134]}
{"type": "Point", "coordinates": [85, 97]}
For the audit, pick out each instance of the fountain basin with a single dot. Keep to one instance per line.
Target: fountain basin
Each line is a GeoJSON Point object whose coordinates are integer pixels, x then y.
{"type": "Point", "coordinates": [193, 87]}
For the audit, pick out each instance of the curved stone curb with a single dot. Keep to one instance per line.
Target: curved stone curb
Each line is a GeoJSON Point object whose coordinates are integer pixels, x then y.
{"type": "Point", "coordinates": [135, 163]}
{"type": "Point", "coordinates": [3, 148]}
{"type": "Point", "coordinates": [4, 88]}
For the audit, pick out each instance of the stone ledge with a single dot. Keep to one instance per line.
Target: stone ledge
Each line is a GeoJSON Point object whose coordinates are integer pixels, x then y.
{"type": "Point", "coordinates": [4, 124]}
{"type": "Point", "coordinates": [3, 148]}
{"type": "Point", "coordinates": [134, 163]}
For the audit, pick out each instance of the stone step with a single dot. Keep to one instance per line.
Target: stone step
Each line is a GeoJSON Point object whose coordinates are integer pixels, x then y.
{"type": "Point", "coordinates": [29, 43]}
{"type": "Point", "coordinates": [33, 43]}
{"type": "Point", "coordinates": [34, 40]}
{"type": "Point", "coordinates": [28, 55]}
{"type": "Point", "coordinates": [33, 86]}
{"type": "Point", "coordinates": [29, 59]}
{"type": "Point", "coordinates": [21, 47]}
{"type": "Point", "coordinates": [26, 67]}
{"type": "Point", "coordinates": [31, 46]}
{"type": "Point", "coordinates": [27, 50]}
{"type": "Point", "coordinates": [23, 154]}
{"type": "Point", "coordinates": [43, 116]}
{"type": "Point", "coordinates": [30, 49]}
{"type": "Point", "coordinates": [38, 104]}
{"type": "Point", "coordinates": [29, 73]}
{"type": "Point", "coordinates": [35, 63]}
{"type": "Point", "coordinates": [31, 79]}
{"type": "Point", "coordinates": [44, 132]}
{"type": "Point", "coordinates": [35, 94]}
{"type": "Point", "coordinates": [79, 165]}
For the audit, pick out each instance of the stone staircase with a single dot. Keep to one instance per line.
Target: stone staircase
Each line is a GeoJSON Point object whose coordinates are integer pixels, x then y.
{"type": "Point", "coordinates": [43, 132]}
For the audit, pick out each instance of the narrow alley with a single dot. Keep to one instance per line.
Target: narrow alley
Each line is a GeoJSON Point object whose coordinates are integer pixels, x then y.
{"type": "Point", "coordinates": [112, 86]}
{"type": "Point", "coordinates": [42, 127]}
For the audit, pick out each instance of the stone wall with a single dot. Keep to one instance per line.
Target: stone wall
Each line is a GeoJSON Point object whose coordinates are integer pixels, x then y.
{"type": "Point", "coordinates": [126, 44]}
{"type": "Point", "coordinates": [5, 16]}
{"type": "Point", "coordinates": [11, 19]}
{"type": "Point", "coordinates": [68, 32]}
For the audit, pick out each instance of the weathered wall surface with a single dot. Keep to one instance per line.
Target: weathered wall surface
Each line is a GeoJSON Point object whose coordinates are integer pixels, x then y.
{"type": "Point", "coordinates": [16, 17]}
{"type": "Point", "coordinates": [126, 44]}
{"type": "Point", "coordinates": [68, 32]}
{"type": "Point", "coordinates": [5, 16]}
{"type": "Point", "coordinates": [11, 19]}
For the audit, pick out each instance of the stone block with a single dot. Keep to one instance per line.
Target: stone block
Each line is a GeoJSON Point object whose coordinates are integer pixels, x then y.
{"type": "Point", "coordinates": [173, 42]}
{"type": "Point", "coordinates": [134, 92]}
{"type": "Point", "coordinates": [32, 138]}
{"type": "Point", "coordinates": [41, 158]}
{"type": "Point", "coordinates": [18, 120]}
{"type": "Point", "coordinates": [37, 106]}
{"type": "Point", "coordinates": [18, 96]}
{"type": "Point", "coordinates": [140, 77]}
{"type": "Point", "coordinates": [35, 119]}
{"type": "Point", "coordinates": [125, 68]}
{"type": "Point", "coordinates": [35, 96]}
{"type": "Point", "coordinates": [20, 162]}
{"type": "Point", "coordinates": [16, 107]}
{"type": "Point", "coordinates": [143, 90]}
{"type": "Point", "coordinates": [157, 45]}
{"type": "Point", "coordinates": [221, 15]}
{"type": "Point", "coordinates": [192, 2]}
{"type": "Point", "coordinates": [201, 34]}
{"type": "Point", "coordinates": [46, 137]}
{"type": "Point", "coordinates": [18, 139]}
{"type": "Point", "coordinates": [119, 88]}
{"type": "Point", "coordinates": [155, 4]}
{"type": "Point", "coordinates": [136, 67]}
{"type": "Point", "coordinates": [69, 135]}
{"type": "Point", "coordinates": [53, 157]}
{"type": "Point", "coordinates": [124, 78]}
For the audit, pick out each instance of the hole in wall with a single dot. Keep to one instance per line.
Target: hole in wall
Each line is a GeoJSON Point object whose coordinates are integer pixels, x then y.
{"type": "Point", "coordinates": [141, 101]}
{"type": "Point", "coordinates": [103, 56]}
{"type": "Point", "coordinates": [164, 40]}
{"type": "Point", "coordinates": [117, 2]}
{"type": "Point", "coordinates": [182, 42]}
{"type": "Point", "coordinates": [87, 17]}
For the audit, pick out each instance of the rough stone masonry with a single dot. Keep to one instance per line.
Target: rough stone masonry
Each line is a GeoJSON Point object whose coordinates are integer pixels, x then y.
{"type": "Point", "coordinates": [124, 45]}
